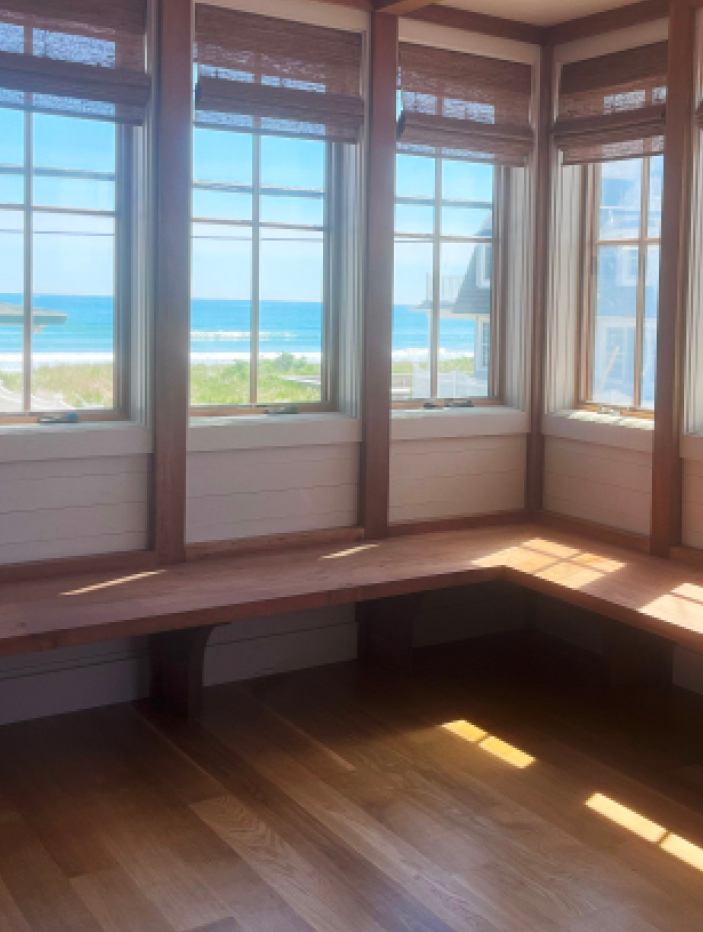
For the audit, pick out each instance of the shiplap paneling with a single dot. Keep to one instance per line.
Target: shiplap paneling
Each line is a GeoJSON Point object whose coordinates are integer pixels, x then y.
{"type": "Point", "coordinates": [456, 477]}
{"type": "Point", "coordinates": [693, 503]}
{"type": "Point", "coordinates": [251, 493]}
{"type": "Point", "coordinates": [598, 483]}
{"type": "Point", "coordinates": [72, 507]}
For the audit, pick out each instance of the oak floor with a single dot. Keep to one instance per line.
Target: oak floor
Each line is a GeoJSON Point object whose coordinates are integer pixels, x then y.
{"type": "Point", "coordinates": [502, 789]}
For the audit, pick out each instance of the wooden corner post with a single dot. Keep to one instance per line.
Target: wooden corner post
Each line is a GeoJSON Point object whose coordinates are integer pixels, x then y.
{"type": "Point", "coordinates": [666, 460]}
{"type": "Point", "coordinates": [172, 180]}
{"type": "Point", "coordinates": [535, 441]}
{"type": "Point", "coordinates": [378, 306]}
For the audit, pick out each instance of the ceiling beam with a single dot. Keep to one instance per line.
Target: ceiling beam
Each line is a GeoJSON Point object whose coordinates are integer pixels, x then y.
{"type": "Point", "coordinates": [481, 23]}
{"type": "Point", "coordinates": [400, 7]}
{"type": "Point", "coordinates": [623, 17]}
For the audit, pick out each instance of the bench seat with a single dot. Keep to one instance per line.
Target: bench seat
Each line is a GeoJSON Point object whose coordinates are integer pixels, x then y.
{"type": "Point", "coordinates": [660, 597]}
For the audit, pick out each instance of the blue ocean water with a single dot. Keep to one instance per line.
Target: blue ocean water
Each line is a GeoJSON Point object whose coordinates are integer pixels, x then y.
{"type": "Point", "coordinates": [220, 329]}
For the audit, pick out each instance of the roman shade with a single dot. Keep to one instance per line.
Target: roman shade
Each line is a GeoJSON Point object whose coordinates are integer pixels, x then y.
{"type": "Point", "coordinates": [464, 106]}
{"type": "Point", "coordinates": [613, 106]}
{"type": "Point", "coordinates": [75, 57]}
{"type": "Point", "coordinates": [265, 75]}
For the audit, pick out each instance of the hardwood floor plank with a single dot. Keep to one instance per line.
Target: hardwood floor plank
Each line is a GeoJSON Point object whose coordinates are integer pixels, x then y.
{"type": "Point", "coordinates": [117, 904]}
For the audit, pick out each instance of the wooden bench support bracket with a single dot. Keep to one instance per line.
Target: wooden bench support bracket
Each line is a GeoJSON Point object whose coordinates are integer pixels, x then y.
{"type": "Point", "coordinates": [636, 658]}
{"type": "Point", "coordinates": [177, 661]}
{"type": "Point", "coordinates": [386, 629]}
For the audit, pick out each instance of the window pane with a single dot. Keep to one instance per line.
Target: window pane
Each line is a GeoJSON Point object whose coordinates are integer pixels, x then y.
{"type": "Point", "coordinates": [656, 178]}
{"type": "Point", "coordinates": [11, 157]}
{"type": "Point", "coordinates": [465, 320]}
{"type": "Point", "coordinates": [467, 221]}
{"type": "Point", "coordinates": [221, 205]}
{"type": "Point", "coordinates": [73, 320]}
{"type": "Point", "coordinates": [616, 313]}
{"type": "Point", "coordinates": [11, 309]}
{"type": "Point", "coordinates": [467, 181]}
{"type": "Point", "coordinates": [220, 315]}
{"type": "Point", "coordinates": [306, 211]}
{"type": "Point", "coordinates": [70, 143]}
{"type": "Point", "coordinates": [414, 176]}
{"type": "Point", "coordinates": [222, 156]}
{"type": "Point", "coordinates": [414, 218]}
{"type": "Point", "coordinates": [412, 316]}
{"type": "Point", "coordinates": [292, 163]}
{"type": "Point", "coordinates": [649, 338]}
{"type": "Point", "coordinates": [620, 199]}
{"type": "Point", "coordinates": [291, 316]}
{"type": "Point", "coordinates": [79, 193]}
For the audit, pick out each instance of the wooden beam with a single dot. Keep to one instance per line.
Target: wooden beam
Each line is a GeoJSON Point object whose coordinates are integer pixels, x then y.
{"type": "Point", "coordinates": [623, 17]}
{"type": "Point", "coordinates": [400, 7]}
{"type": "Point", "coordinates": [666, 460]}
{"type": "Point", "coordinates": [177, 660]}
{"type": "Point", "coordinates": [535, 441]}
{"type": "Point", "coordinates": [378, 309]}
{"type": "Point", "coordinates": [481, 23]}
{"type": "Point", "coordinates": [172, 180]}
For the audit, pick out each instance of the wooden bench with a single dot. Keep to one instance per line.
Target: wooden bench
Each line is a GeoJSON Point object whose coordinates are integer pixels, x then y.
{"type": "Point", "coordinates": [649, 604]}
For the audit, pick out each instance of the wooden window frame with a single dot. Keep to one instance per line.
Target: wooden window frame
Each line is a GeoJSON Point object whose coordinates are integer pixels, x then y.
{"type": "Point", "coordinates": [331, 231]}
{"type": "Point", "coordinates": [498, 272]}
{"type": "Point", "coordinates": [122, 295]}
{"type": "Point", "coordinates": [590, 243]}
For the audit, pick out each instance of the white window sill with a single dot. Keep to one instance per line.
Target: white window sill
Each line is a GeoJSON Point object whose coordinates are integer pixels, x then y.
{"type": "Point", "coordinates": [24, 442]}
{"type": "Point", "coordinates": [629, 433]}
{"type": "Point", "coordinates": [259, 431]}
{"type": "Point", "coordinates": [484, 421]}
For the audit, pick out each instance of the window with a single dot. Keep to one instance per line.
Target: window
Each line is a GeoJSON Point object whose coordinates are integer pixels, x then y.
{"type": "Point", "coordinates": [262, 323]}
{"type": "Point", "coordinates": [621, 283]}
{"type": "Point", "coordinates": [63, 275]}
{"type": "Point", "coordinates": [444, 328]}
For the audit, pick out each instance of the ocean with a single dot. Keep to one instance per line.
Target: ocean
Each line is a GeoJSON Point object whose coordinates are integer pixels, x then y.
{"type": "Point", "coordinates": [219, 332]}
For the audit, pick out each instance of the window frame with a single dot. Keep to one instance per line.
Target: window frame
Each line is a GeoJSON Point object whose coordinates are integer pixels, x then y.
{"type": "Point", "coordinates": [591, 186]}
{"type": "Point", "coordinates": [331, 302]}
{"type": "Point", "coordinates": [496, 380]}
{"type": "Point", "coordinates": [122, 276]}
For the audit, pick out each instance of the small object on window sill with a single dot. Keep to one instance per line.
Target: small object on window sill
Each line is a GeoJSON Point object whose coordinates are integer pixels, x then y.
{"type": "Point", "coordinates": [607, 409]}
{"type": "Point", "coordinates": [283, 409]}
{"type": "Point", "coordinates": [460, 403]}
{"type": "Point", "coordinates": [71, 417]}
{"type": "Point", "coordinates": [433, 405]}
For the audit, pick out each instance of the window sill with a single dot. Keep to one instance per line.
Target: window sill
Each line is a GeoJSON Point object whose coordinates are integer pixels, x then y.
{"type": "Point", "coordinates": [260, 431]}
{"type": "Point", "coordinates": [24, 442]}
{"type": "Point", "coordinates": [629, 433]}
{"type": "Point", "coordinates": [487, 421]}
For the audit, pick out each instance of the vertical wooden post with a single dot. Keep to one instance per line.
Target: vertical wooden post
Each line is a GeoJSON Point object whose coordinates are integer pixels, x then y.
{"type": "Point", "coordinates": [378, 306]}
{"type": "Point", "coordinates": [666, 461]}
{"type": "Point", "coordinates": [172, 179]}
{"type": "Point", "coordinates": [535, 440]}
{"type": "Point", "coordinates": [177, 660]}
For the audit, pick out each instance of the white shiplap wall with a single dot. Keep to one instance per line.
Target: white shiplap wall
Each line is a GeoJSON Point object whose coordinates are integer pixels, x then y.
{"type": "Point", "coordinates": [57, 508]}
{"type": "Point", "coordinates": [456, 477]}
{"type": "Point", "coordinates": [277, 490]}
{"type": "Point", "coordinates": [604, 484]}
{"type": "Point", "coordinates": [693, 503]}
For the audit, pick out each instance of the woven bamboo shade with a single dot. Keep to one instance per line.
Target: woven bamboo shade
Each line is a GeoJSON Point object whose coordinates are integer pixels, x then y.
{"type": "Point", "coordinates": [464, 106]}
{"type": "Point", "coordinates": [75, 57]}
{"type": "Point", "coordinates": [613, 106]}
{"type": "Point", "coordinates": [266, 75]}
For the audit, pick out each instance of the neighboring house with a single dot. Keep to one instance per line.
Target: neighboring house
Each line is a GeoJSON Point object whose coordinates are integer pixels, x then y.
{"type": "Point", "coordinates": [464, 297]}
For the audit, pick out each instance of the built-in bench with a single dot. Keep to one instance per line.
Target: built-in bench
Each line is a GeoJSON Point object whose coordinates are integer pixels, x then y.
{"type": "Point", "coordinates": [648, 604]}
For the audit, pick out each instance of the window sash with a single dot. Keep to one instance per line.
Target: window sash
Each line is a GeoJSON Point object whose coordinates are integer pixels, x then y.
{"type": "Point", "coordinates": [497, 337]}
{"type": "Point", "coordinates": [591, 243]}
{"type": "Point", "coordinates": [330, 340]}
{"type": "Point", "coordinates": [121, 214]}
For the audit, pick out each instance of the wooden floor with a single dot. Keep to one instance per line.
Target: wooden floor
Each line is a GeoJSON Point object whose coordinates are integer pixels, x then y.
{"type": "Point", "coordinates": [476, 796]}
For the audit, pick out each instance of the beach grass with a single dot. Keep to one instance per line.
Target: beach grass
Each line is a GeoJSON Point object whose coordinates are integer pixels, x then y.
{"type": "Point", "coordinates": [281, 380]}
